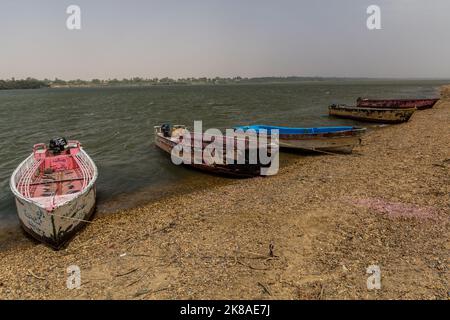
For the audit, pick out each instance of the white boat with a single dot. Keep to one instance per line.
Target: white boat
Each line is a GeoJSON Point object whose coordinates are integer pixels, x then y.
{"type": "Point", "coordinates": [55, 191]}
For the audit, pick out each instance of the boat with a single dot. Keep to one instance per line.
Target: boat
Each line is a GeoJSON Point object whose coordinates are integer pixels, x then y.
{"type": "Point", "coordinates": [54, 190]}
{"type": "Point", "coordinates": [321, 139]}
{"type": "Point", "coordinates": [419, 104]}
{"type": "Point", "coordinates": [168, 136]}
{"type": "Point", "coordinates": [383, 115]}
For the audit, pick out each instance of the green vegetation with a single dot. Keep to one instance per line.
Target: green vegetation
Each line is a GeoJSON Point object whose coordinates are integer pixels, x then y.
{"type": "Point", "coordinates": [28, 83]}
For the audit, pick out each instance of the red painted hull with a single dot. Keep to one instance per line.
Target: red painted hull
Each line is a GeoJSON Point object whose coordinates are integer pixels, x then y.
{"type": "Point", "coordinates": [419, 104]}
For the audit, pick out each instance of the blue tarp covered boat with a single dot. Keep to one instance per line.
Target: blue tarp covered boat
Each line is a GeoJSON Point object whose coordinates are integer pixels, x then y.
{"type": "Point", "coordinates": [320, 139]}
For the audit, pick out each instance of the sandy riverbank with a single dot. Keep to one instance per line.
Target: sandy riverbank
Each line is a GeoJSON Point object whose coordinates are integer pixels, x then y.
{"type": "Point", "coordinates": [325, 218]}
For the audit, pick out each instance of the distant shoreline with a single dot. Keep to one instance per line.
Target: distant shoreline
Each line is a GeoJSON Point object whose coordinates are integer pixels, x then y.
{"type": "Point", "coordinates": [31, 83]}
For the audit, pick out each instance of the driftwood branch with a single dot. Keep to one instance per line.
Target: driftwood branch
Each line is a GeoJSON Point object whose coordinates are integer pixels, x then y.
{"type": "Point", "coordinates": [265, 288]}
{"type": "Point", "coordinates": [126, 273]}
{"type": "Point", "coordinates": [34, 275]}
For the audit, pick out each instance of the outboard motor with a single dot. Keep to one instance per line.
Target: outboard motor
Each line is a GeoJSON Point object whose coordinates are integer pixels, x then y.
{"type": "Point", "coordinates": [57, 145]}
{"type": "Point", "coordinates": [166, 130]}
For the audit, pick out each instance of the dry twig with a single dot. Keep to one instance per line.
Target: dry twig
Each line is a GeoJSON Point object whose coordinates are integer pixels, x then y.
{"type": "Point", "coordinates": [34, 275]}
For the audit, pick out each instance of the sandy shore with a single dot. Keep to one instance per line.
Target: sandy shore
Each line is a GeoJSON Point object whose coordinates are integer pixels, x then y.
{"type": "Point", "coordinates": [308, 233]}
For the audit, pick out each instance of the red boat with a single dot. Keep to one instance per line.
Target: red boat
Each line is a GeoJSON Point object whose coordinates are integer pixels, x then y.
{"type": "Point", "coordinates": [419, 104]}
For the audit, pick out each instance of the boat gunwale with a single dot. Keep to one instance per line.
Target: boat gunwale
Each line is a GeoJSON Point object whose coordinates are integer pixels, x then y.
{"type": "Point", "coordinates": [346, 107]}
{"type": "Point", "coordinates": [419, 104]}
{"type": "Point", "coordinates": [398, 100]}
{"type": "Point", "coordinates": [196, 137]}
{"type": "Point", "coordinates": [328, 135]}
{"type": "Point", "coordinates": [354, 131]}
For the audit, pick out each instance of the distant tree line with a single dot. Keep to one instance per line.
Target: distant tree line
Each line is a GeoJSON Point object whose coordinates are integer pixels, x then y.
{"type": "Point", "coordinates": [28, 83]}
{"type": "Point", "coordinates": [31, 83]}
{"type": "Point", "coordinates": [137, 81]}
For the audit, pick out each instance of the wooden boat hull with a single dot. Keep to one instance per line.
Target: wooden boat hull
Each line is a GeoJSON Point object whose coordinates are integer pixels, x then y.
{"type": "Point", "coordinates": [335, 144]}
{"type": "Point", "coordinates": [382, 115]}
{"type": "Point", "coordinates": [321, 139]}
{"type": "Point", "coordinates": [54, 227]}
{"type": "Point", "coordinates": [166, 138]}
{"type": "Point", "coordinates": [419, 104]}
{"type": "Point", "coordinates": [234, 170]}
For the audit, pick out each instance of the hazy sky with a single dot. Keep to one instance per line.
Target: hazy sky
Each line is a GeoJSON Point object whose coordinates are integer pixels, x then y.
{"type": "Point", "coordinates": [193, 38]}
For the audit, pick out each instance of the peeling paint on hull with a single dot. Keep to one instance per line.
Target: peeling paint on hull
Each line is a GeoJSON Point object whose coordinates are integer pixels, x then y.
{"type": "Point", "coordinates": [342, 145]}
{"type": "Point", "coordinates": [419, 104]}
{"type": "Point", "coordinates": [383, 115]}
{"type": "Point", "coordinates": [57, 227]}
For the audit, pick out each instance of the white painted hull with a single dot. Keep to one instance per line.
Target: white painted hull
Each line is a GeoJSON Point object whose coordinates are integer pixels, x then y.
{"type": "Point", "coordinates": [57, 227]}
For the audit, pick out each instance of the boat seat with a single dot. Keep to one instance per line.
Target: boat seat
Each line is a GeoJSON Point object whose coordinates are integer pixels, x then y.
{"type": "Point", "coordinates": [47, 183]}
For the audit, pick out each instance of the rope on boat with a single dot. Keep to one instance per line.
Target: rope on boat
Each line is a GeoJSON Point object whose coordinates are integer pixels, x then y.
{"type": "Point", "coordinates": [317, 150]}
{"type": "Point", "coordinates": [328, 152]}
{"type": "Point", "coordinates": [321, 151]}
{"type": "Point", "coordinates": [70, 218]}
